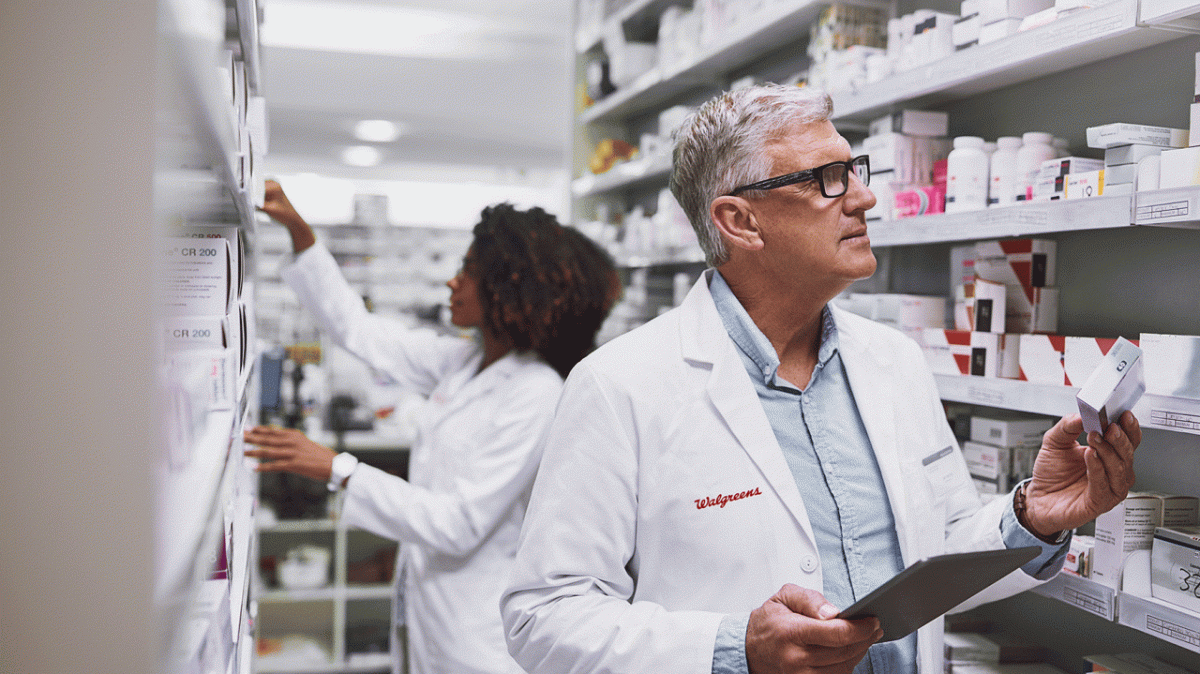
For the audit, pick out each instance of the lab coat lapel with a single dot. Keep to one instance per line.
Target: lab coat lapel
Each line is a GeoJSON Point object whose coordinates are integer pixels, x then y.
{"type": "Point", "coordinates": [873, 382]}
{"type": "Point", "coordinates": [705, 341]}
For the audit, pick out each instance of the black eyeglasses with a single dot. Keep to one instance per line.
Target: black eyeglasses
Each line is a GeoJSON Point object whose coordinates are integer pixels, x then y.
{"type": "Point", "coordinates": [834, 177]}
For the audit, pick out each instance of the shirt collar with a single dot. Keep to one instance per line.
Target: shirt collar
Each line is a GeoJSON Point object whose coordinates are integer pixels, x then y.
{"type": "Point", "coordinates": [753, 342]}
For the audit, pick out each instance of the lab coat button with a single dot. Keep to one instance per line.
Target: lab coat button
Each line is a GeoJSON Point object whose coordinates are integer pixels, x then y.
{"type": "Point", "coordinates": [808, 563]}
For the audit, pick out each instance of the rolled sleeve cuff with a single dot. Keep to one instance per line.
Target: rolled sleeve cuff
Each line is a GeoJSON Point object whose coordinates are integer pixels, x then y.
{"type": "Point", "coordinates": [729, 653]}
{"type": "Point", "coordinates": [1049, 561]}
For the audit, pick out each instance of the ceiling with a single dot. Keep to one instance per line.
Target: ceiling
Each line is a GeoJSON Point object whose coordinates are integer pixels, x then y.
{"type": "Point", "coordinates": [475, 84]}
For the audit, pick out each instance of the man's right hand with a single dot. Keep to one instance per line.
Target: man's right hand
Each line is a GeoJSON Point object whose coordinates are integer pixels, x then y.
{"type": "Point", "coordinates": [796, 631]}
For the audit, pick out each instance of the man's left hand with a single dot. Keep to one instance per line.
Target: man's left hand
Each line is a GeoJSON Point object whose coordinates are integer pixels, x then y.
{"type": "Point", "coordinates": [1072, 484]}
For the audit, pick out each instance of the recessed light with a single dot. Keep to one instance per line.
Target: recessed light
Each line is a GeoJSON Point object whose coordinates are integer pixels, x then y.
{"type": "Point", "coordinates": [360, 155]}
{"type": "Point", "coordinates": [377, 131]}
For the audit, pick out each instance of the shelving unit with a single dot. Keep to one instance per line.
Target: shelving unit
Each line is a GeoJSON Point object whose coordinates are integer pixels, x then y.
{"type": "Point", "coordinates": [203, 189]}
{"type": "Point", "coordinates": [1126, 264]}
{"type": "Point", "coordinates": [349, 619]}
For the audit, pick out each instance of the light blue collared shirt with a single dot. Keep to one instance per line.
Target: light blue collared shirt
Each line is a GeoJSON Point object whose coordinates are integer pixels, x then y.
{"type": "Point", "coordinates": [827, 449]}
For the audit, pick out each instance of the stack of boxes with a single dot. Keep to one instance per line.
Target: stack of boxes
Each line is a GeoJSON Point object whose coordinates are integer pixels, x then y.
{"type": "Point", "coordinates": [1150, 157]}
{"type": "Point", "coordinates": [1002, 450]}
{"type": "Point", "coordinates": [1004, 291]}
{"type": "Point", "coordinates": [906, 148]}
{"type": "Point", "coordinates": [1068, 178]}
{"type": "Point", "coordinates": [1130, 527]}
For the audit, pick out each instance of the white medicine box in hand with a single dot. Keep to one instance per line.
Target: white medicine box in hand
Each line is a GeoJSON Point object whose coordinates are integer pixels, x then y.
{"type": "Point", "coordinates": [1115, 386]}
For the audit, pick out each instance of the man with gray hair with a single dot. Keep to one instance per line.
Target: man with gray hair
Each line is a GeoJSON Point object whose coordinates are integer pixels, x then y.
{"type": "Point", "coordinates": [718, 483]}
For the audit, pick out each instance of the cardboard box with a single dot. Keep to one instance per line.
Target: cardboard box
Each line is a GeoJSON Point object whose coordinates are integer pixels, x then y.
{"type": "Point", "coordinates": [1086, 185]}
{"type": "Point", "coordinates": [1049, 188]}
{"type": "Point", "coordinates": [962, 265]}
{"type": "Point", "coordinates": [965, 647]}
{"type": "Point", "coordinates": [1119, 175]}
{"type": "Point", "coordinates": [990, 465]}
{"type": "Point", "coordinates": [1082, 355]}
{"type": "Point", "coordinates": [195, 332]}
{"type": "Point", "coordinates": [1132, 663]}
{"type": "Point", "coordinates": [962, 352]}
{"type": "Point", "coordinates": [1078, 561]}
{"type": "Point", "coordinates": [1172, 364]}
{"type": "Point", "coordinates": [1119, 155]}
{"type": "Point", "coordinates": [198, 277]}
{"type": "Point", "coordinates": [912, 123]}
{"type": "Point", "coordinates": [1126, 528]}
{"type": "Point", "coordinates": [1179, 168]}
{"type": "Point", "coordinates": [1177, 510]}
{"type": "Point", "coordinates": [1115, 386]}
{"type": "Point", "coordinates": [998, 30]}
{"type": "Point", "coordinates": [1032, 310]}
{"type": "Point", "coordinates": [991, 11]}
{"type": "Point", "coordinates": [986, 311]}
{"type": "Point", "coordinates": [1022, 262]}
{"type": "Point", "coordinates": [1063, 166]}
{"type": "Point", "coordinates": [1010, 430]}
{"type": "Point", "coordinates": [1175, 566]}
{"type": "Point", "coordinates": [966, 31]}
{"type": "Point", "coordinates": [1111, 135]}
{"type": "Point", "coordinates": [924, 200]}
{"type": "Point", "coordinates": [1041, 359]}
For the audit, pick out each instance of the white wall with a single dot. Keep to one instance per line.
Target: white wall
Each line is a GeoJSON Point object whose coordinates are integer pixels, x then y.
{"type": "Point", "coordinates": [76, 508]}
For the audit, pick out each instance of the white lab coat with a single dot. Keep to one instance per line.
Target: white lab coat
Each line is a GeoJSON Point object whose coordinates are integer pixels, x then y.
{"type": "Point", "coordinates": [458, 516]}
{"type": "Point", "coordinates": [620, 568]}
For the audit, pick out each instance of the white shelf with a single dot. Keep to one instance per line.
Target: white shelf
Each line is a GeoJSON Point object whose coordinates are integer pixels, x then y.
{"type": "Point", "coordinates": [1159, 619]}
{"type": "Point", "coordinates": [1179, 207]}
{"type": "Point", "coordinates": [635, 12]}
{"type": "Point", "coordinates": [624, 176]}
{"type": "Point", "coordinates": [1181, 415]}
{"type": "Point", "coordinates": [744, 42]}
{"type": "Point", "coordinates": [299, 526]}
{"type": "Point", "coordinates": [327, 593]}
{"type": "Point", "coordinates": [1084, 37]}
{"type": "Point", "coordinates": [1009, 394]}
{"type": "Point", "coordinates": [1029, 219]}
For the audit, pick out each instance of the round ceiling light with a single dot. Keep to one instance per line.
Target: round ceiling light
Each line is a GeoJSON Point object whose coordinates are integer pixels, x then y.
{"type": "Point", "coordinates": [360, 155]}
{"type": "Point", "coordinates": [376, 131]}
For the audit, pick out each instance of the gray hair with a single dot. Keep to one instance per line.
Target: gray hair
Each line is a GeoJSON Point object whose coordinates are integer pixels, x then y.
{"type": "Point", "coordinates": [720, 147]}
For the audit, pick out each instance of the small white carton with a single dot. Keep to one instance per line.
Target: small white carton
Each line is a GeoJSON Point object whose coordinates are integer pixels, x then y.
{"type": "Point", "coordinates": [988, 464]}
{"type": "Point", "coordinates": [1119, 155]}
{"type": "Point", "coordinates": [1114, 387]}
{"type": "Point", "coordinates": [987, 309]}
{"type": "Point", "coordinates": [1010, 430]}
{"type": "Point", "coordinates": [1172, 364]}
{"type": "Point", "coordinates": [1023, 262]}
{"type": "Point", "coordinates": [1085, 185]}
{"type": "Point", "coordinates": [963, 352]}
{"type": "Point", "coordinates": [1110, 135]}
{"type": "Point", "coordinates": [1178, 510]}
{"type": "Point", "coordinates": [1175, 566]}
{"type": "Point", "coordinates": [1179, 168]}
{"type": "Point", "coordinates": [1042, 359]}
{"type": "Point", "coordinates": [912, 123]}
{"type": "Point", "coordinates": [1082, 355]}
{"type": "Point", "coordinates": [1126, 528]}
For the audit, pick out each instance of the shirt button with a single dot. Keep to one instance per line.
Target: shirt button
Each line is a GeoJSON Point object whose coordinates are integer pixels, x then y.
{"type": "Point", "coordinates": [808, 563]}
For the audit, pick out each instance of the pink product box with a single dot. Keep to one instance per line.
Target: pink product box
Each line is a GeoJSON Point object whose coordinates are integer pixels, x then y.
{"type": "Point", "coordinates": [1082, 355]}
{"type": "Point", "coordinates": [1041, 359]}
{"type": "Point", "coordinates": [1025, 262]}
{"type": "Point", "coordinates": [924, 200]}
{"type": "Point", "coordinates": [962, 352]}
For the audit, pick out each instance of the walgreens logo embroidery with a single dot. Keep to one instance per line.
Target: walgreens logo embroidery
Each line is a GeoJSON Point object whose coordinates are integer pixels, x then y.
{"type": "Point", "coordinates": [721, 499]}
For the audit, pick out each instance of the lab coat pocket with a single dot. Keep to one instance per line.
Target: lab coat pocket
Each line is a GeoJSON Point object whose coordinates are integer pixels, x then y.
{"type": "Point", "coordinates": [927, 493]}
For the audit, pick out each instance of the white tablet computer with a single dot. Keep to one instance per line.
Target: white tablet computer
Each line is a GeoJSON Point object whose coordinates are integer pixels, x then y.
{"type": "Point", "coordinates": [932, 586]}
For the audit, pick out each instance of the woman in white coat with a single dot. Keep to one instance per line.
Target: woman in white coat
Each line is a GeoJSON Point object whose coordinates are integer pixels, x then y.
{"type": "Point", "coordinates": [537, 292]}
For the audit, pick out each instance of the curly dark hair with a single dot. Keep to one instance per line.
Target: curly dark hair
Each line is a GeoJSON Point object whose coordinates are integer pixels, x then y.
{"type": "Point", "coordinates": [543, 287]}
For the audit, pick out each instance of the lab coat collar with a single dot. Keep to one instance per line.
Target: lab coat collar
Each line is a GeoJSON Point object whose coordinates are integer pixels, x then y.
{"type": "Point", "coordinates": [705, 343]}
{"type": "Point", "coordinates": [465, 385]}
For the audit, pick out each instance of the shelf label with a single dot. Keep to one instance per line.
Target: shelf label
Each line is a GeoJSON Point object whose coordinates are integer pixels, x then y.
{"type": "Point", "coordinates": [1097, 604]}
{"type": "Point", "coordinates": [1172, 631]}
{"type": "Point", "coordinates": [1178, 420]}
{"type": "Point", "coordinates": [986, 396]}
{"type": "Point", "coordinates": [1164, 211]}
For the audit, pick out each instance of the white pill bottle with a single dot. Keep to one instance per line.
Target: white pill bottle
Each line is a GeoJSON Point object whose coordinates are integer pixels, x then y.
{"type": "Point", "coordinates": [1036, 147]}
{"type": "Point", "coordinates": [1002, 189]}
{"type": "Point", "coordinates": [966, 175]}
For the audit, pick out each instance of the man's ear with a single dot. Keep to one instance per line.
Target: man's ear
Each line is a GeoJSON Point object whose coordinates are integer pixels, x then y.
{"type": "Point", "coordinates": [735, 220]}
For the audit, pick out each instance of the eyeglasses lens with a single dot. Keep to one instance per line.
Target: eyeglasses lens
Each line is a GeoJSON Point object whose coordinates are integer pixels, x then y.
{"type": "Point", "coordinates": [834, 180]}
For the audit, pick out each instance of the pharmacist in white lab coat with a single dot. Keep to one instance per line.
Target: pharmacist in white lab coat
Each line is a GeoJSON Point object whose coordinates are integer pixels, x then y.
{"type": "Point", "coordinates": [718, 483]}
{"type": "Point", "coordinates": [538, 293]}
